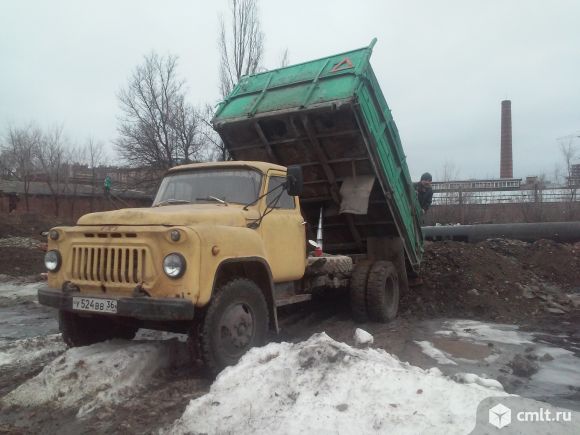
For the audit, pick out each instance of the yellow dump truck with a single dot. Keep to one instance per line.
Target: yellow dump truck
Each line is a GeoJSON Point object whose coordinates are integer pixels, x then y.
{"type": "Point", "coordinates": [224, 244]}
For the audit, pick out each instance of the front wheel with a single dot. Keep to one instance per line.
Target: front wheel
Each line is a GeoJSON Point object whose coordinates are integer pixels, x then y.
{"type": "Point", "coordinates": [235, 321]}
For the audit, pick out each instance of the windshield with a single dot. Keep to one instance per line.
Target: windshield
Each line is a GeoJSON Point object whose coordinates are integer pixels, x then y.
{"type": "Point", "coordinates": [240, 186]}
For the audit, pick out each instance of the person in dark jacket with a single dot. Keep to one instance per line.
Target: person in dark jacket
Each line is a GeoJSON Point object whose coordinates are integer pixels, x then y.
{"type": "Point", "coordinates": [424, 191]}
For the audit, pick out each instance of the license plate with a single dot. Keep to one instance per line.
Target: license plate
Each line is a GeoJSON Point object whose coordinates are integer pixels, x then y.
{"type": "Point", "coordinates": [93, 304]}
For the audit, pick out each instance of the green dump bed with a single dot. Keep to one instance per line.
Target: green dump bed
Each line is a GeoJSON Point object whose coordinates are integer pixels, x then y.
{"type": "Point", "coordinates": [329, 116]}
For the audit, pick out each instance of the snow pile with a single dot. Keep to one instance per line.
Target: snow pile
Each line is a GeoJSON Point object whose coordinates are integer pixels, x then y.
{"type": "Point", "coordinates": [89, 377]}
{"type": "Point", "coordinates": [323, 386]}
{"type": "Point", "coordinates": [30, 350]}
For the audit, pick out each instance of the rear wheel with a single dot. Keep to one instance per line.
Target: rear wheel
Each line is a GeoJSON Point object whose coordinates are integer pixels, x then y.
{"type": "Point", "coordinates": [358, 291]}
{"type": "Point", "coordinates": [383, 292]}
{"type": "Point", "coordinates": [235, 321]}
{"type": "Point", "coordinates": [82, 331]}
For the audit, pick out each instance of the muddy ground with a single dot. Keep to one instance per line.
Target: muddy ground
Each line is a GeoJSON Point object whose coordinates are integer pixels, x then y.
{"type": "Point", "coordinates": [21, 242]}
{"type": "Point", "coordinates": [500, 280]}
{"type": "Point", "coordinates": [528, 293]}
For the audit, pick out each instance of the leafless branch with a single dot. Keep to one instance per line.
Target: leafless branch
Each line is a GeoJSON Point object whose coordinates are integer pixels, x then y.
{"type": "Point", "coordinates": [241, 45]}
{"type": "Point", "coordinates": [158, 129]}
{"type": "Point", "coordinates": [284, 58]}
{"type": "Point", "coordinates": [19, 155]}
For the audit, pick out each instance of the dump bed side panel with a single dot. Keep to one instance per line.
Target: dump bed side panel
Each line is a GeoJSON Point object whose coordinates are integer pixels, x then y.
{"type": "Point", "coordinates": [390, 158]}
{"type": "Point", "coordinates": [330, 117]}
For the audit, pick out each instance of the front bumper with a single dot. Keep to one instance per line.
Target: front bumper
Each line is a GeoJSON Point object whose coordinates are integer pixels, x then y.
{"type": "Point", "coordinates": [143, 308]}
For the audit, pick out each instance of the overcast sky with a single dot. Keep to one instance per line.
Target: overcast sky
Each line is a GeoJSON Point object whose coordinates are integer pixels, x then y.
{"type": "Point", "coordinates": [444, 66]}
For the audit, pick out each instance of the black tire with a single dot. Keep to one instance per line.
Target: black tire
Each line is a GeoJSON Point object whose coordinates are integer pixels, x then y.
{"type": "Point", "coordinates": [83, 331]}
{"type": "Point", "coordinates": [358, 291]}
{"type": "Point", "coordinates": [235, 321]}
{"type": "Point", "coordinates": [383, 292]}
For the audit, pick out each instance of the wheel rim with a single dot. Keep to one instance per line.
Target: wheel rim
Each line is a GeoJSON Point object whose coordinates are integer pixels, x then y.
{"type": "Point", "coordinates": [236, 329]}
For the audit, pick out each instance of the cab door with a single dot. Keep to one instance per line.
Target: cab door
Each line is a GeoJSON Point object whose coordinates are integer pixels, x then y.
{"type": "Point", "coordinates": [283, 231]}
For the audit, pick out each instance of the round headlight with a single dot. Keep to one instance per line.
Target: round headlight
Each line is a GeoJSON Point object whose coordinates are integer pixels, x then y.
{"type": "Point", "coordinates": [52, 261]}
{"type": "Point", "coordinates": [53, 234]}
{"type": "Point", "coordinates": [174, 265]}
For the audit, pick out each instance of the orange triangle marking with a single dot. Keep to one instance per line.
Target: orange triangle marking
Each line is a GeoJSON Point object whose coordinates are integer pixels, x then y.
{"type": "Point", "coordinates": [345, 63]}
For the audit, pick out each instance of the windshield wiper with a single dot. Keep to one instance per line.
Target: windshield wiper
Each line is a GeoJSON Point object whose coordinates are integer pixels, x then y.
{"type": "Point", "coordinates": [212, 198]}
{"type": "Point", "coordinates": [172, 201]}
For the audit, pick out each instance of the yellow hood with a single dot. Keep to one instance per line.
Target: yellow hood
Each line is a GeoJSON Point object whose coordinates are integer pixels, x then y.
{"type": "Point", "coordinates": [178, 215]}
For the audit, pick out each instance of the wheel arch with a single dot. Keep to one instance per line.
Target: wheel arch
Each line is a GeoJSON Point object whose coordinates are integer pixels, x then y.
{"type": "Point", "coordinates": [255, 269]}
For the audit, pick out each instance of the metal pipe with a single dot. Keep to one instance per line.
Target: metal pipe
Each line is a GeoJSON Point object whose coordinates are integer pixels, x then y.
{"type": "Point", "coordinates": [558, 231]}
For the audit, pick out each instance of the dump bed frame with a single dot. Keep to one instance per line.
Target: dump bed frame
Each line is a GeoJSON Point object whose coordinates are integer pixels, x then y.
{"type": "Point", "coordinates": [329, 116]}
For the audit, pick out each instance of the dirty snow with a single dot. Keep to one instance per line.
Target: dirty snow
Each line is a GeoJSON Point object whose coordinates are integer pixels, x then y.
{"type": "Point", "coordinates": [438, 355]}
{"type": "Point", "coordinates": [557, 376]}
{"type": "Point", "coordinates": [86, 378]}
{"type": "Point", "coordinates": [326, 387]}
{"type": "Point", "coordinates": [362, 337]}
{"type": "Point", "coordinates": [479, 331]}
{"type": "Point", "coordinates": [29, 350]}
{"type": "Point", "coordinates": [560, 374]}
{"type": "Point", "coordinates": [11, 288]}
{"type": "Point", "coordinates": [154, 335]}
{"type": "Point", "coordinates": [20, 242]}
{"type": "Point", "coordinates": [470, 378]}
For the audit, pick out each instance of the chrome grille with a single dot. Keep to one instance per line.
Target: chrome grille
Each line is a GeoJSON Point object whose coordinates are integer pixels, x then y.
{"type": "Point", "coordinates": [108, 264]}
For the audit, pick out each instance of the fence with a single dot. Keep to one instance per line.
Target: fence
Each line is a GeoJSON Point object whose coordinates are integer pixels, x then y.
{"type": "Point", "coordinates": [503, 206]}
{"type": "Point", "coordinates": [505, 196]}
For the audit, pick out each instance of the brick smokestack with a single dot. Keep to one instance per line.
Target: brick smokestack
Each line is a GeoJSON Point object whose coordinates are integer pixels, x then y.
{"type": "Point", "coordinates": [506, 168]}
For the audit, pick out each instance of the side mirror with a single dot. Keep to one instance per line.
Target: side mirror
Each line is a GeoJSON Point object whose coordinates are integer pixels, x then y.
{"type": "Point", "coordinates": [294, 180]}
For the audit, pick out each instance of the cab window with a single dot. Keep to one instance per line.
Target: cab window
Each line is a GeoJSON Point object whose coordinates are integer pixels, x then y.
{"type": "Point", "coordinates": [284, 201]}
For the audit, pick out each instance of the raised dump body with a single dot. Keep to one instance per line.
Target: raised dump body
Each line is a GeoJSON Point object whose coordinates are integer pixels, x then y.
{"type": "Point", "coordinates": [330, 117]}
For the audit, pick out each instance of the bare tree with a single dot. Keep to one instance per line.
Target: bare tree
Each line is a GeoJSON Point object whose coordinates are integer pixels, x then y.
{"type": "Point", "coordinates": [158, 128]}
{"type": "Point", "coordinates": [54, 158]}
{"type": "Point", "coordinates": [531, 201]}
{"type": "Point", "coordinates": [449, 200]}
{"type": "Point", "coordinates": [241, 44]}
{"type": "Point", "coordinates": [285, 58]}
{"type": "Point", "coordinates": [95, 156]}
{"type": "Point", "coordinates": [18, 155]}
{"type": "Point", "coordinates": [76, 159]}
{"type": "Point", "coordinates": [569, 154]}
{"type": "Point", "coordinates": [215, 147]}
